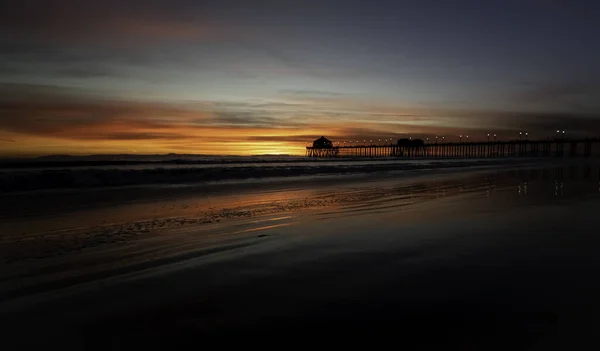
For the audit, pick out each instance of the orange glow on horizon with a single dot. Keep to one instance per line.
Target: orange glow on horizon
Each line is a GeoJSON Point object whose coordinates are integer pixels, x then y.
{"type": "Point", "coordinates": [84, 128]}
{"type": "Point", "coordinates": [35, 146]}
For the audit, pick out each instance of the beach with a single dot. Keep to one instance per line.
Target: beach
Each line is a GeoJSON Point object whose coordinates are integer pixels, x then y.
{"type": "Point", "coordinates": [485, 256]}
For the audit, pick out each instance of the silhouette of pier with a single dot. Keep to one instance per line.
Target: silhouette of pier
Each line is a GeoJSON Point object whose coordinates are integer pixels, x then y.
{"type": "Point", "coordinates": [459, 150]}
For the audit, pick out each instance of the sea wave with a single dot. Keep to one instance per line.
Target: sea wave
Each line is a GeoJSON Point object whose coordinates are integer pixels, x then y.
{"type": "Point", "coordinates": [82, 177]}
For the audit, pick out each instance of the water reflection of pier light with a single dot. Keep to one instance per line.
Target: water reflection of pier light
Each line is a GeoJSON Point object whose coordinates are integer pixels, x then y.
{"type": "Point", "coordinates": [559, 188]}
{"type": "Point", "coordinates": [522, 188]}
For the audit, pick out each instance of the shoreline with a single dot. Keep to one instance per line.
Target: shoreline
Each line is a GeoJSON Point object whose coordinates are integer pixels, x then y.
{"type": "Point", "coordinates": [26, 204]}
{"type": "Point", "coordinates": [67, 179]}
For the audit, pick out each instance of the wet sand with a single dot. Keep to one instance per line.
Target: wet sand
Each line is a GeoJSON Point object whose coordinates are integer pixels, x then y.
{"type": "Point", "coordinates": [488, 260]}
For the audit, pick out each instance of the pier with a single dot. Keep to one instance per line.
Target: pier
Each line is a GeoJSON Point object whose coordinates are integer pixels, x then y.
{"type": "Point", "coordinates": [461, 150]}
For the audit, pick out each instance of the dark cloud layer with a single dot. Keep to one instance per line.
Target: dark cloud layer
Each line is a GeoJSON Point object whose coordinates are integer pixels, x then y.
{"type": "Point", "coordinates": [310, 92]}
{"type": "Point", "coordinates": [68, 116]}
{"type": "Point", "coordinates": [74, 20]}
{"type": "Point", "coordinates": [573, 96]}
{"type": "Point", "coordinates": [74, 118]}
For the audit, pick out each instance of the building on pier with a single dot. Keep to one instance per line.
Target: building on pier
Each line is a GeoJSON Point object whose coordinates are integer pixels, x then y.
{"type": "Point", "coordinates": [322, 147]}
{"type": "Point", "coordinates": [322, 143]}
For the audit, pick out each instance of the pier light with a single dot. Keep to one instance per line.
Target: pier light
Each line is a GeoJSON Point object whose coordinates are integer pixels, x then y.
{"type": "Point", "coordinates": [558, 131]}
{"type": "Point", "coordinates": [494, 136]}
{"type": "Point", "coordinates": [488, 136]}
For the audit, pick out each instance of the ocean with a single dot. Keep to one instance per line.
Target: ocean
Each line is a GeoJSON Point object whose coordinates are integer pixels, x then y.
{"type": "Point", "coordinates": [69, 172]}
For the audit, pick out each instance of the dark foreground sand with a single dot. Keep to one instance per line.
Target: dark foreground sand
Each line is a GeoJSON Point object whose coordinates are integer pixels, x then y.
{"type": "Point", "coordinates": [491, 260]}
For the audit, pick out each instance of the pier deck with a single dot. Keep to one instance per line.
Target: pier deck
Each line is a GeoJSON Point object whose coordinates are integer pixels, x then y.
{"type": "Point", "coordinates": [523, 148]}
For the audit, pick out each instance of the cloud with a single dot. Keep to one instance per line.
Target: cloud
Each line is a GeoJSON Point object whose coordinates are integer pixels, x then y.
{"type": "Point", "coordinates": [60, 114]}
{"type": "Point", "coordinates": [106, 21]}
{"type": "Point", "coordinates": [340, 134]}
{"type": "Point", "coordinates": [51, 112]}
{"type": "Point", "coordinates": [541, 122]}
{"type": "Point", "coordinates": [574, 96]}
{"type": "Point", "coordinates": [41, 117]}
{"type": "Point", "coordinates": [87, 72]}
{"type": "Point", "coordinates": [247, 118]}
{"type": "Point", "coordinates": [8, 140]}
{"type": "Point", "coordinates": [301, 64]}
{"type": "Point", "coordinates": [309, 92]}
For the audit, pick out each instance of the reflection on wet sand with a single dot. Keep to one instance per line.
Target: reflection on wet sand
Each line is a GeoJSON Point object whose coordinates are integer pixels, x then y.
{"type": "Point", "coordinates": [555, 179]}
{"type": "Point", "coordinates": [72, 231]}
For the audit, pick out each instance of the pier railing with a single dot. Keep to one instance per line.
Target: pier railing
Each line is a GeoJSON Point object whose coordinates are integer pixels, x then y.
{"type": "Point", "coordinates": [522, 148]}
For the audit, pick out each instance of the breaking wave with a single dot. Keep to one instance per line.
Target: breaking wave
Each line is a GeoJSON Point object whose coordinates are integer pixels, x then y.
{"type": "Point", "coordinates": [15, 180]}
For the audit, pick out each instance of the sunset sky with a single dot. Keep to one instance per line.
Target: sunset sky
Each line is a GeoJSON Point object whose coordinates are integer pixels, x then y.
{"type": "Point", "coordinates": [254, 77]}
